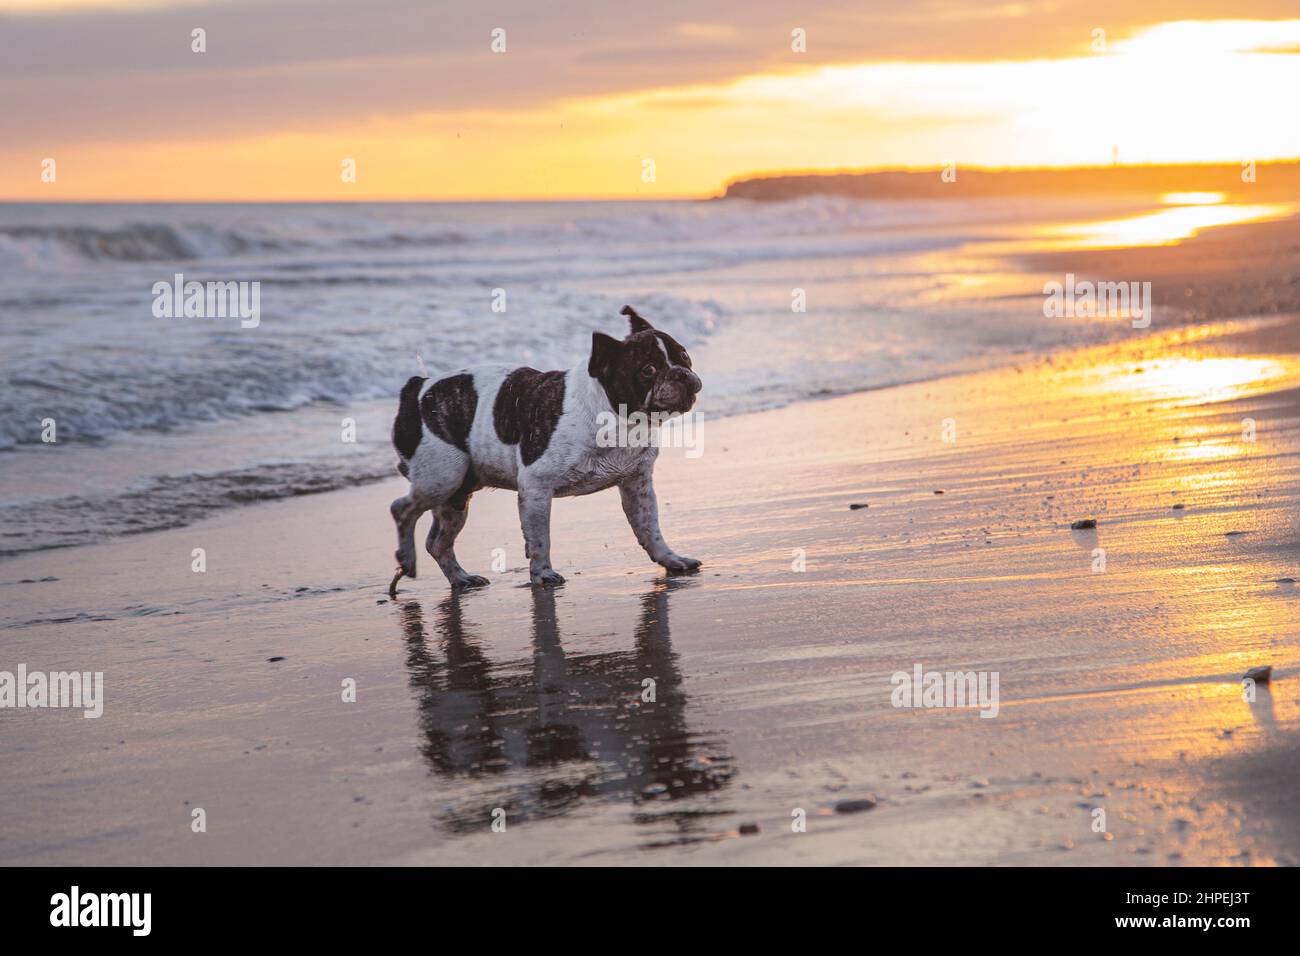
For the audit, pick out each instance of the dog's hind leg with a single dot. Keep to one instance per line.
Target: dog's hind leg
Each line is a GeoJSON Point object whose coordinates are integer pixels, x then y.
{"type": "Point", "coordinates": [447, 524]}
{"type": "Point", "coordinates": [442, 482]}
{"type": "Point", "coordinates": [406, 512]}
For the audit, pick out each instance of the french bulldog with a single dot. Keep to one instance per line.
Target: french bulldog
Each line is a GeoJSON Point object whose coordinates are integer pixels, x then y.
{"type": "Point", "coordinates": [493, 426]}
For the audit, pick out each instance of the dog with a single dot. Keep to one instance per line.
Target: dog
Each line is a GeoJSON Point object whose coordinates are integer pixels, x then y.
{"type": "Point", "coordinates": [493, 426]}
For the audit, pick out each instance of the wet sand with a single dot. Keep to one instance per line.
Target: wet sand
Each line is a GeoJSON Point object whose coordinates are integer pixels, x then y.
{"type": "Point", "coordinates": [1119, 688]}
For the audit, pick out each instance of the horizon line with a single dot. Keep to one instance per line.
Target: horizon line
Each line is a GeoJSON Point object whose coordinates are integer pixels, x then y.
{"type": "Point", "coordinates": [641, 197]}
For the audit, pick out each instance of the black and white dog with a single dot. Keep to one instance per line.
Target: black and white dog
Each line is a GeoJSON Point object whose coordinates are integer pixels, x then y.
{"type": "Point", "coordinates": [536, 432]}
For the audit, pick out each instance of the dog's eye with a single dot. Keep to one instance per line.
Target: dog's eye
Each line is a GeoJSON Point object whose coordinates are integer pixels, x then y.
{"type": "Point", "coordinates": [648, 371]}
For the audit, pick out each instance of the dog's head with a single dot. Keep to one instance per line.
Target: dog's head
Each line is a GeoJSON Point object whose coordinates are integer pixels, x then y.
{"type": "Point", "coordinates": [646, 372]}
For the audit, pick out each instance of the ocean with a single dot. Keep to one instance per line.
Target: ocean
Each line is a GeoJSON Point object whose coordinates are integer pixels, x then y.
{"type": "Point", "coordinates": [161, 420]}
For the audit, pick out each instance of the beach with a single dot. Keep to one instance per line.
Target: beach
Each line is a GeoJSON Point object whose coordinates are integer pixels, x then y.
{"type": "Point", "coordinates": [769, 731]}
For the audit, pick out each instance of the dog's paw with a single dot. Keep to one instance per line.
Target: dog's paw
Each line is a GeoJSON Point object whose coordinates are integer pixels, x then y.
{"type": "Point", "coordinates": [677, 564]}
{"type": "Point", "coordinates": [406, 562]}
{"type": "Point", "coordinates": [466, 581]}
{"type": "Point", "coordinates": [547, 577]}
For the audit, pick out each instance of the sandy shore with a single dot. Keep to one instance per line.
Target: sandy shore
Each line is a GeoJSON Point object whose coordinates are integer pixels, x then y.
{"type": "Point", "coordinates": [1248, 269]}
{"type": "Point", "coordinates": [1118, 687]}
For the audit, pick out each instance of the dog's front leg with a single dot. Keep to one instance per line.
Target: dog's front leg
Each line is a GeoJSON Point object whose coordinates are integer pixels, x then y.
{"type": "Point", "coordinates": [535, 520]}
{"type": "Point", "coordinates": [642, 510]}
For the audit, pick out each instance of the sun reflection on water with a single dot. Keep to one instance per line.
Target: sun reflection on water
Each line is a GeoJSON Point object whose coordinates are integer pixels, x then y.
{"type": "Point", "coordinates": [1184, 379]}
{"type": "Point", "coordinates": [1193, 199]}
{"type": "Point", "coordinates": [1162, 227]}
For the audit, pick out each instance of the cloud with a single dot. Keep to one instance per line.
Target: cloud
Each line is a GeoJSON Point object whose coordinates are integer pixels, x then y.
{"type": "Point", "coordinates": [707, 31]}
{"type": "Point", "coordinates": [120, 90]}
{"type": "Point", "coordinates": [288, 65]}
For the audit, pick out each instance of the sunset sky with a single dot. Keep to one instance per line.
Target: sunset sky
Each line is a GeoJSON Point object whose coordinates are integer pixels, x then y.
{"type": "Point", "coordinates": [586, 92]}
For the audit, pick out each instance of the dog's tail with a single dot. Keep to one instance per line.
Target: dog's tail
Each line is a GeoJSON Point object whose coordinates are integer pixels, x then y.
{"type": "Point", "coordinates": [406, 426]}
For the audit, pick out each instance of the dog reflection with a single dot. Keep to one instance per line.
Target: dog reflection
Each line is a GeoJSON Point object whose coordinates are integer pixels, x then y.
{"type": "Point", "coordinates": [538, 736]}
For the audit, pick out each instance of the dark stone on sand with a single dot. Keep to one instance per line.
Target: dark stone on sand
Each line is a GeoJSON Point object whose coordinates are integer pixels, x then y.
{"type": "Point", "coordinates": [938, 491]}
{"type": "Point", "coordinates": [748, 829]}
{"type": "Point", "coordinates": [1284, 580]}
{"type": "Point", "coordinates": [855, 806]}
{"type": "Point", "coordinates": [1179, 507]}
{"type": "Point", "coordinates": [1083, 524]}
{"type": "Point", "coordinates": [856, 507]}
{"type": "Point", "coordinates": [272, 660]}
{"type": "Point", "coordinates": [1260, 675]}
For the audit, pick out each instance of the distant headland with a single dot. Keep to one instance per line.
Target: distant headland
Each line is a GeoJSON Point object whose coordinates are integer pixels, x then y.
{"type": "Point", "coordinates": [1246, 179]}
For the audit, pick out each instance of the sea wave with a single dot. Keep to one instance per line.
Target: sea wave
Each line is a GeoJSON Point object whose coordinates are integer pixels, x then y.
{"type": "Point", "coordinates": [170, 501]}
{"type": "Point", "coordinates": [134, 242]}
{"type": "Point", "coordinates": [29, 245]}
{"type": "Point", "coordinates": [105, 374]}
{"type": "Point", "coordinates": [187, 234]}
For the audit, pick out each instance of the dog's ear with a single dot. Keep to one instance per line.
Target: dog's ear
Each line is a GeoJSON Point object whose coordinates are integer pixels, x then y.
{"type": "Point", "coordinates": [638, 324]}
{"type": "Point", "coordinates": [605, 353]}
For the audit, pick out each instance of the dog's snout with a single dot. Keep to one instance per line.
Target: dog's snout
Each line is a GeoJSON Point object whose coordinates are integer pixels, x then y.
{"type": "Point", "coordinates": [693, 382]}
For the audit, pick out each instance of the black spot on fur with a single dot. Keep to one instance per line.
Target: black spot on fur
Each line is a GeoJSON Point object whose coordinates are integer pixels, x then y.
{"type": "Point", "coordinates": [448, 409]}
{"type": "Point", "coordinates": [527, 408]}
{"type": "Point", "coordinates": [406, 426]}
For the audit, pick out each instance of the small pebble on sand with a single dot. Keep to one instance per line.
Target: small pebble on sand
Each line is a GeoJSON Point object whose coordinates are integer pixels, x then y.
{"type": "Point", "coordinates": [856, 507]}
{"type": "Point", "coordinates": [1083, 524]}
{"type": "Point", "coordinates": [855, 806]}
